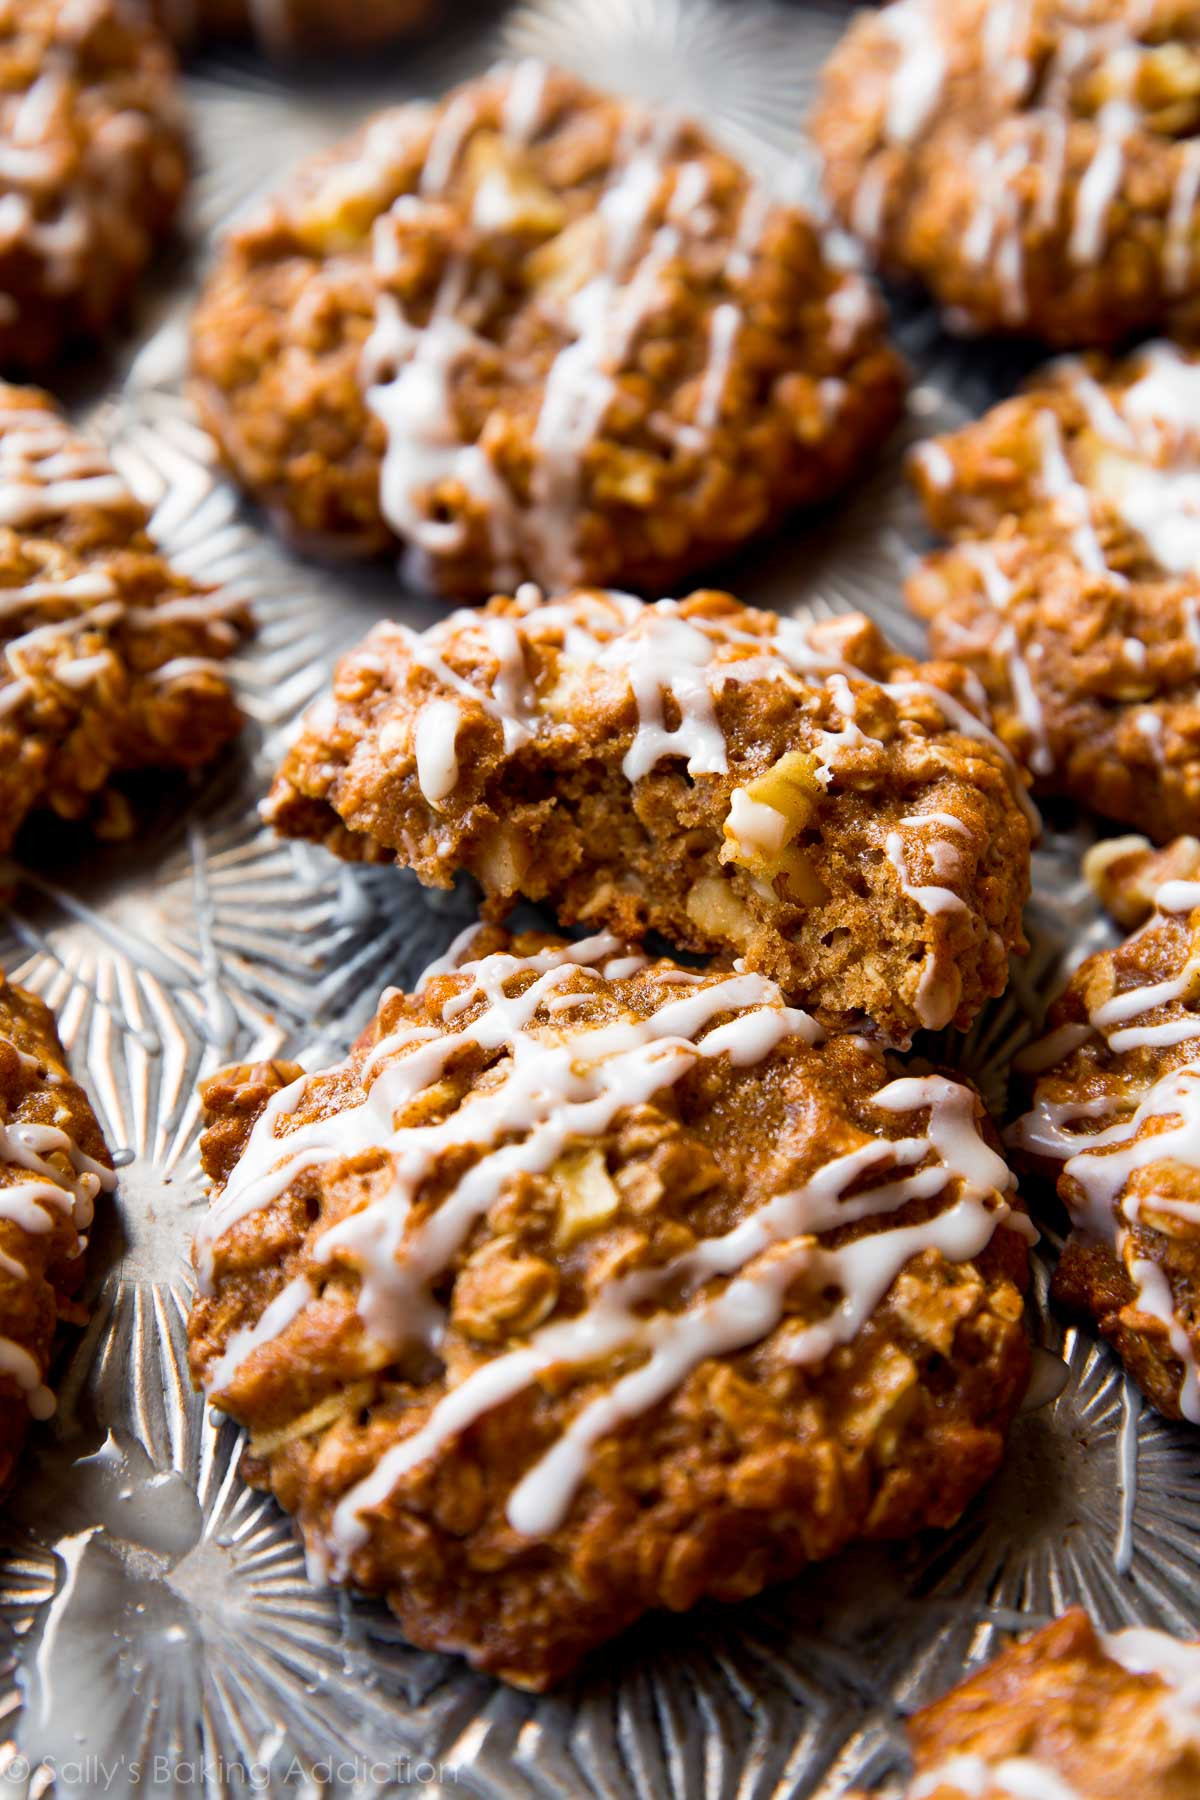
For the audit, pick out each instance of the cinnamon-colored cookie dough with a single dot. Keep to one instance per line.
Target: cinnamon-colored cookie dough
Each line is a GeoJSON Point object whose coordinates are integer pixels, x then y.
{"type": "Point", "coordinates": [1073, 589]}
{"type": "Point", "coordinates": [1069, 1714]}
{"type": "Point", "coordinates": [92, 169]}
{"type": "Point", "coordinates": [589, 1284]}
{"type": "Point", "coordinates": [1036, 166]}
{"type": "Point", "coordinates": [799, 796]}
{"type": "Point", "coordinates": [53, 1167]}
{"type": "Point", "coordinates": [1116, 1116]}
{"type": "Point", "coordinates": [533, 331]}
{"type": "Point", "coordinates": [112, 661]}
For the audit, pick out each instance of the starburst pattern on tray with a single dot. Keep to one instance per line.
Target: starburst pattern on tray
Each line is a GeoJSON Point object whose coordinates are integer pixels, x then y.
{"type": "Point", "coordinates": [138, 1576]}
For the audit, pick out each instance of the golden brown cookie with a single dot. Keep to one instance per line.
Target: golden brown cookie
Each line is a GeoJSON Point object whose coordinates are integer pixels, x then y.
{"type": "Point", "coordinates": [92, 169]}
{"type": "Point", "coordinates": [53, 1168]}
{"type": "Point", "coordinates": [534, 331]}
{"type": "Point", "coordinates": [112, 661]}
{"type": "Point", "coordinates": [799, 796]}
{"type": "Point", "coordinates": [1035, 165]}
{"type": "Point", "coordinates": [1073, 588]}
{"type": "Point", "coordinates": [589, 1284]}
{"type": "Point", "coordinates": [1115, 1116]}
{"type": "Point", "coordinates": [1069, 1714]}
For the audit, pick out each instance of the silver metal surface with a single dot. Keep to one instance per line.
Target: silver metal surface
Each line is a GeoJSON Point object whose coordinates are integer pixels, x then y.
{"type": "Point", "coordinates": [159, 1635]}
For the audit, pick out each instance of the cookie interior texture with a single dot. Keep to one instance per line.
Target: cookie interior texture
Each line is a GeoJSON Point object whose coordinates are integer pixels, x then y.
{"type": "Point", "coordinates": [1115, 1115]}
{"type": "Point", "coordinates": [54, 1166]}
{"type": "Point", "coordinates": [798, 796]}
{"type": "Point", "coordinates": [1072, 590]}
{"type": "Point", "coordinates": [534, 331]}
{"type": "Point", "coordinates": [590, 1284]}
{"type": "Point", "coordinates": [95, 164]}
{"type": "Point", "coordinates": [1036, 166]}
{"type": "Point", "coordinates": [113, 661]}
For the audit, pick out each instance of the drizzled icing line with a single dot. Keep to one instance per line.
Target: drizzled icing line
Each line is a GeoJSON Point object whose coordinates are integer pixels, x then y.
{"type": "Point", "coordinates": [31, 1205]}
{"type": "Point", "coordinates": [564, 1083]}
{"type": "Point", "coordinates": [1151, 482]}
{"type": "Point", "coordinates": [647, 212]}
{"type": "Point", "coordinates": [1100, 1163]}
{"type": "Point", "coordinates": [1031, 136]}
{"type": "Point", "coordinates": [48, 472]}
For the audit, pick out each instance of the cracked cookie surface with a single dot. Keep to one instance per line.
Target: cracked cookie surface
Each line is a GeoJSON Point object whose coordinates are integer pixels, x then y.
{"type": "Point", "coordinates": [799, 796]}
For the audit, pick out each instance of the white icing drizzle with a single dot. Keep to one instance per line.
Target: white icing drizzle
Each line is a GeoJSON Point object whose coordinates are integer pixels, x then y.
{"type": "Point", "coordinates": [1068, 494]}
{"type": "Point", "coordinates": [46, 473]}
{"type": "Point", "coordinates": [931, 899]}
{"type": "Point", "coordinates": [646, 213]}
{"type": "Point", "coordinates": [30, 167]}
{"type": "Point", "coordinates": [1154, 423]}
{"type": "Point", "coordinates": [434, 743]}
{"type": "Point", "coordinates": [1101, 183]}
{"type": "Point", "coordinates": [999, 590]}
{"type": "Point", "coordinates": [408, 369]}
{"type": "Point", "coordinates": [524, 101]}
{"type": "Point", "coordinates": [1179, 248]}
{"type": "Point", "coordinates": [919, 73]}
{"type": "Point", "coordinates": [935, 463]}
{"type": "Point", "coordinates": [562, 1083]}
{"type": "Point", "coordinates": [31, 1205]}
{"type": "Point", "coordinates": [1176, 1664]}
{"type": "Point", "coordinates": [661, 653]}
{"type": "Point", "coordinates": [1034, 134]}
{"type": "Point", "coordinates": [1162, 1127]}
{"type": "Point", "coordinates": [981, 1778]}
{"type": "Point", "coordinates": [723, 329]}
{"type": "Point", "coordinates": [1177, 896]}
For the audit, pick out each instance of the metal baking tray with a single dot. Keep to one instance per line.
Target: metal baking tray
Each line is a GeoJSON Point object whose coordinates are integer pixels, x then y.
{"type": "Point", "coordinates": [158, 1632]}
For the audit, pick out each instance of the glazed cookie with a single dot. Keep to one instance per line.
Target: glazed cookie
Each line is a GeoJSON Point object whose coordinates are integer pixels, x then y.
{"type": "Point", "coordinates": [1070, 1714]}
{"type": "Point", "coordinates": [1116, 1116]}
{"type": "Point", "coordinates": [535, 331]}
{"type": "Point", "coordinates": [1035, 165]}
{"type": "Point", "coordinates": [53, 1167]}
{"type": "Point", "coordinates": [798, 796]}
{"type": "Point", "coordinates": [589, 1284]}
{"type": "Point", "coordinates": [112, 661]}
{"type": "Point", "coordinates": [1073, 592]}
{"type": "Point", "coordinates": [92, 167]}
{"type": "Point", "coordinates": [294, 27]}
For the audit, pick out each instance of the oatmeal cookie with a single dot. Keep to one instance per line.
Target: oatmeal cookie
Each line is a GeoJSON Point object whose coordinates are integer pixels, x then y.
{"type": "Point", "coordinates": [589, 1284]}
{"type": "Point", "coordinates": [535, 331]}
{"type": "Point", "coordinates": [799, 796]}
{"type": "Point", "coordinates": [53, 1167]}
{"type": "Point", "coordinates": [92, 169]}
{"type": "Point", "coordinates": [112, 661]}
{"type": "Point", "coordinates": [1037, 167]}
{"type": "Point", "coordinates": [1116, 1116]}
{"type": "Point", "coordinates": [1069, 1714]}
{"type": "Point", "coordinates": [293, 27]}
{"type": "Point", "coordinates": [1073, 590]}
